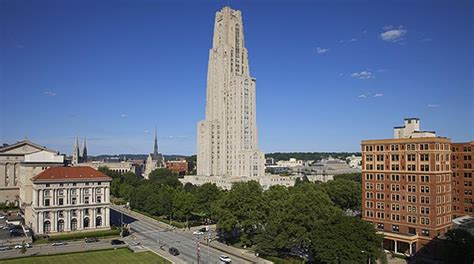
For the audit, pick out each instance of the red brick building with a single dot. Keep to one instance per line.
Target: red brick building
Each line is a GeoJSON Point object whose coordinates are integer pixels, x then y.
{"type": "Point", "coordinates": [177, 166]}
{"type": "Point", "coordinates": [462, 165]}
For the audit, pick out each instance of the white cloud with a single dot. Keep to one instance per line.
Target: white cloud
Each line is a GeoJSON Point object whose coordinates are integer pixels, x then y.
{"type": "Point", "coordinates": [378, 95]}
{"type": "Point", "coordinates": [49, 93]}
{"type": "Point", "coordinates": [393, 35]}
{"type": "Point", "coordinates": [343, 41]}
{"type": "Point", "coordinates": [123, 115]}
{"type": "Point", "coordinates": [433, 105]}
{"type": "Point", "coordinates": [362, 96]}
{"type": "Point", "coordinates": [363, 75]}
{"type": "Point", "coordinates": [320, 50]}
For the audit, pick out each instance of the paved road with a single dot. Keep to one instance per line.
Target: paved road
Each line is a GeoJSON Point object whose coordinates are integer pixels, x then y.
{"type": "Point", "coordinates": [48, 249]}
{"type": "Point", "coordinates": [158, 238]}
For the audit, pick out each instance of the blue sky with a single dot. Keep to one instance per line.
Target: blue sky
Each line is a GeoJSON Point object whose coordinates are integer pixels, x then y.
{"type": "Point", "coordinates": [329, 73]}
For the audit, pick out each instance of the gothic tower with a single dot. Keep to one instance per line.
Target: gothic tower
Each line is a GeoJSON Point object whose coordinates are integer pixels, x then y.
{"type": "Point", "coordinates": [227, 139]}
{"type": "Point", "coordinates": [75, 153]}
{"type": "Point", "coordinates": [84, 152]}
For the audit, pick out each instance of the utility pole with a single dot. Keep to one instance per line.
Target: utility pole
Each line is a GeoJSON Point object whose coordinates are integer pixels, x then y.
{"type": "Point", "coordinates": [198, 249]}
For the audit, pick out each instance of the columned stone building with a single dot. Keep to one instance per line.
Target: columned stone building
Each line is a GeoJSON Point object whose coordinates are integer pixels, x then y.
{"type": "Point", "coordinates": [12, 159]}
{"type": "Point", "coordinates": [227, 144]}
{"type": "Point", "coordinates": [70, 199]}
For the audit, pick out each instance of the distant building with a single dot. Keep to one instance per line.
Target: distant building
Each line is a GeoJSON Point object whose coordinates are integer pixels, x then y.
{"type": "Point", "coordinates": [154, 160]}
{"type": "Point", "coordinates": [269, 161]}
{"type": "Point", "coordinates": [77, 155]}
{"type": "Point", "coordinates": [411, 129]}
{"type": "Point", "coordinates": [292, 162]}
{"type": "Point", "coordinates": [67, 199]}
{"type": "Point", "coordinates": [355, 162]}
{"type": "Point", "coordinates": [120, 167]}
{"type": "Point", "coordinates": [177, 166]}
{"type": "Point", "coordinates": [24, 154]}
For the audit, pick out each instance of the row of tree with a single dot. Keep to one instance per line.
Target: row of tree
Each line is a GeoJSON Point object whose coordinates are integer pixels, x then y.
{"type": "Point", "coordinates": [307, 218]}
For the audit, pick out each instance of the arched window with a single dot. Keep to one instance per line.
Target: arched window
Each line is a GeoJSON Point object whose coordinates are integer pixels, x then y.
{"type": "Point", "coordinates": [98, 221]}
{"type": "Point", "coordinates": [47, 227]}
{"type": "Point", "coordinates": [60, 225]}
{"type": "Point", "coordinates": [86, 222]}
{"type": "Point", "coordinates": [73, 224]}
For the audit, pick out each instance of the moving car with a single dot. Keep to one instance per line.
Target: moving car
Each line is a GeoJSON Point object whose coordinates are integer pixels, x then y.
{"type": "Point", "coordinates": [91, 239]}
{"type": "Point", "coordinates": [225, 259]}
{"type": "Point", "coordinates": [20, 246]}
{"type": "Point", "coordinates": [173, 251]}
{"type": "Point", "coordinates": [117, 242]}
{"type": "Point", "coordinates": [59, 243]}
{"type": "Point", "coordinates": [197, 232]}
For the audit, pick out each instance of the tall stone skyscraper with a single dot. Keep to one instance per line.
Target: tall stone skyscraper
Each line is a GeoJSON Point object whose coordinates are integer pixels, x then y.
{"type": "Point", "coordinates": [227, 139]}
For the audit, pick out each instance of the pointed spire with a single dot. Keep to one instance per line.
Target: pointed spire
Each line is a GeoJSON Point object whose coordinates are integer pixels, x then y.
{"type": "Point", "coordinates": [155, 148]}
{"type": "Point", "coordinates": [84, 151]}
{"type": "Point", "coordinates": [75, 153]}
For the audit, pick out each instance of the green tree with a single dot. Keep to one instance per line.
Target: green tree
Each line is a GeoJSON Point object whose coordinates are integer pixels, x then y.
{"type": "Point", "coordinates": [183, 204]}
{"type": "Point", "coordinates": [458, 247]}
{"type": "Point", "coordinates": [357, 177]}
{"type": "Point", "coordinates": [205, 195]}
{"type": "Point", "coordinates": [346, 194]}
{"type": "Point", "coordinates": [241, 210]}
{"type": "Point", "coordinates": [165, 177]}
{"type": "Point", "coordinates": [345, 239]}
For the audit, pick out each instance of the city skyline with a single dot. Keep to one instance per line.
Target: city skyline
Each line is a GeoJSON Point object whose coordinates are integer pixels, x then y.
{"type": "Point", "coordinates": [314, 95]}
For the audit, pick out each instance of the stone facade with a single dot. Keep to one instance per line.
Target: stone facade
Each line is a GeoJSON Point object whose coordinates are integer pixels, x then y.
{"type": "Point", "coordinates": [227, 143]}
{"type": "Point", "coordinates": [11, 159]}
{"type": "Point", "coordinates": [70, 199]}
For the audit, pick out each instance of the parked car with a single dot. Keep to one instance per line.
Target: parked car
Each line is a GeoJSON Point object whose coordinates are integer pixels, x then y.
{"type": "Point", "coordinates": [59, 243]}
{"type": "Point", "coordinates": [91, 239]}
{"type": "Point", "coordinates": [16, 233]}
{"type": "Point", "coordinates": [3, 248]}
{"type": "Point", "coordinates": [2, 216]}
{"type": "Point", "coordinates": [197, 232]}
{"type": "Point", "coordinates": [204, 229]}
{"type": "Point", "coordinates": [117, 242]}
{"type": "Point", "coordinates": [173, 251]}
{"type": "Point", "coordinates": [225, 259]}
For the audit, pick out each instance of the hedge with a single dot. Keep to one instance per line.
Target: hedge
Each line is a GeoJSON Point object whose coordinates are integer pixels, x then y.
{"type": "Point", "coordinates": [73, 236]}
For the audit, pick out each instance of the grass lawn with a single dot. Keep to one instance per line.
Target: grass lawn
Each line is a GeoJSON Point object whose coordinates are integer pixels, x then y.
{"type": "Point", "coordinates": [118, 256]}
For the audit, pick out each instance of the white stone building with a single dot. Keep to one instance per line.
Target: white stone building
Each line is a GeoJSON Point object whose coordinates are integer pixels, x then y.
{"type": "Point", "coordinates": [69, 199]}
{"type": "Point", "coordinates": [292, 162]}
{"type": "Point", "coordinates": [411, 129]}
{"type": "Point", "coordinates": [227, 144]}
{"type": "Point", "coordinates": [15, 156]}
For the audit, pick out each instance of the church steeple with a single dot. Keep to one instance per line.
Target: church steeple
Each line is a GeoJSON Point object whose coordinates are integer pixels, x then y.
{"type": "Point", "coordinates": [155, 147]}
{"type": "Point", "coordinates": [75, 153]}
{"type": "Point", "coordinates": [84, 152]}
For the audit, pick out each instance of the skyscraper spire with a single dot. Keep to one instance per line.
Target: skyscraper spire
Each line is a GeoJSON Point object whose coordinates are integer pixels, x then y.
{"type": "Point", "coordinates": [84, 151]}
{"type": "Point", "coordinates": [155, 148]}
